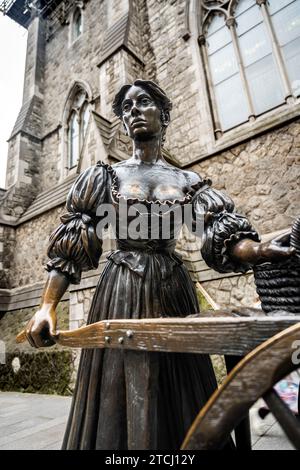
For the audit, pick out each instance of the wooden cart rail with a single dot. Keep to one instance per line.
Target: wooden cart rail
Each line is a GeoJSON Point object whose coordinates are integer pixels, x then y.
{"type": "Point", "coordinates": [217, 332]}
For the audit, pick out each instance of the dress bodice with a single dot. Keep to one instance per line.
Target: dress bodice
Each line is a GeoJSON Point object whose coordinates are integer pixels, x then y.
{"type": "Point", "coordinates": [152, 181]}
{"type": "Point", "coordinates": [159, 221]}
{"type": "Point", "coordinates": [76, 244]}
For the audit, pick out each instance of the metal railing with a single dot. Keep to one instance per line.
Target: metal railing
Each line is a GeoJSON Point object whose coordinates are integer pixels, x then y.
{"type": "Point", "coordinates": [20, 10]}
{"type": "Point", "coordinates": [5, 5]}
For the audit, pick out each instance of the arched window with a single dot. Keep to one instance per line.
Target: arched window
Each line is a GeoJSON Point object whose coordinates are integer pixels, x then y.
{"type": "Point", "coordinates": [77, 126]}
{"type": "Point", "coordinates": [252, 52]}
{"type": "Point", "coordinates": [76, 24]}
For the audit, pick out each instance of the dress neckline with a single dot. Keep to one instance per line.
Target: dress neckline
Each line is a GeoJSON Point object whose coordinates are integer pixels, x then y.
{"type": "Point", "coordinates": [117, 196]}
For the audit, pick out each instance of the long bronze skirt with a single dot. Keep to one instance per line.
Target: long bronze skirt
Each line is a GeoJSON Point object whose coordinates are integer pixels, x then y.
{"type": "Point", "coordinates": [182, 382]}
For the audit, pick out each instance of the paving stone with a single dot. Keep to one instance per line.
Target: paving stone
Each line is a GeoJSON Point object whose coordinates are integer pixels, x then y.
{"type": "Point", "coordinates": [40, 422]}
{"type": "Point", "coordinates": [37, 440]}
{"type": "Point", "coordinates": [31, 421]}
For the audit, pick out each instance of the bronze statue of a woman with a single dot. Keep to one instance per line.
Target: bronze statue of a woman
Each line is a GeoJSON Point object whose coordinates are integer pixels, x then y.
{"type": "Point", "coordinates": [143, 278]}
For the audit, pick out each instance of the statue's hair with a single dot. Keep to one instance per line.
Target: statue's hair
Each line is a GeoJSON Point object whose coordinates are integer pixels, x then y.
{"type": "Point", "coordinates": [150, 87]}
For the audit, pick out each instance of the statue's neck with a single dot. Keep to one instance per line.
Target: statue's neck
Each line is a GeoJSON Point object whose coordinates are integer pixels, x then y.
{"type": "Point", "coordinates": [148, 151]}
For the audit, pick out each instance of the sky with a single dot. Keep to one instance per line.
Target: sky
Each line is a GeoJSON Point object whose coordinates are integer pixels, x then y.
{"type": "Point", "coordinates": [12, 65]}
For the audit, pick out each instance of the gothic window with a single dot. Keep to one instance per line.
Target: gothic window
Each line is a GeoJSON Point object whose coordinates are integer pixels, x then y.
{"type": "Point", "coordinates": [77, 24]}
{"type": "Point", "coordinates": [77, 126]}
{"type": "Point", "coordinates": [252, 53]}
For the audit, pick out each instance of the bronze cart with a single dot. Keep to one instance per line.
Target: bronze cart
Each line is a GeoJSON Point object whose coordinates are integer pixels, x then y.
{"type": "Point", "coordinates": [258, 350]}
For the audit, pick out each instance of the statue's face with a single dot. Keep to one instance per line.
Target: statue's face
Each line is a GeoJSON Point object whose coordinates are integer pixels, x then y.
{"type": "Point", "coordinates": [141, 115]}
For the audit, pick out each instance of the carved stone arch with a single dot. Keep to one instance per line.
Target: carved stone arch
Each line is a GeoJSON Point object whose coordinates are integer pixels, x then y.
{"type": "Point", "coordinates": [78, 5]}
{"type": "Point", "coordinates": [232, 6]}
{"type": "Point", "coordinates": [209, 9]}
{"type": "Point", "coordinates": [209, 16]}
{"type": "Point", "coordinates": [74, 88]}
{"type": "Point", "coordinates": [204, 10]}
{"type": "Point", "coordinates": [77, 9]}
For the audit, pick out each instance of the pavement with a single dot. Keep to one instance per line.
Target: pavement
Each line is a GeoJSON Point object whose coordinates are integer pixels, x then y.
{"type": "Point", "coordinates": [37, 422]}
{"type": "Point", "coordinates": [31, 421]}
{"type": "Point", "coordinates": [267, 434]}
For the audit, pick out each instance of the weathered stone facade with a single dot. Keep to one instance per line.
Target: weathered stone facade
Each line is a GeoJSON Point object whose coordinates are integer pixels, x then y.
{"type": "Point", "coordinates": [234, 290]}
{"type": "Point", "coordinates": [257, 163]}
{"type": "Point", "coordinates": [32, 237]}
{"type": "Point", "coordinates": [80, 303]}
{"type": "Point", "coordinates": [261, 176]}
{"type": "Point", "coordinates": [7, 249]}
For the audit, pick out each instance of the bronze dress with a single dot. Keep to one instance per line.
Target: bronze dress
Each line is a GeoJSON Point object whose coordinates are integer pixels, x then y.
{"type": "Point", "coordinates": [141, 279]}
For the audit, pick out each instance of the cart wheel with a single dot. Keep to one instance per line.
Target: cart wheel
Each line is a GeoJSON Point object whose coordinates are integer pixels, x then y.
{"type": "Point", "coordinates": [252, 378]}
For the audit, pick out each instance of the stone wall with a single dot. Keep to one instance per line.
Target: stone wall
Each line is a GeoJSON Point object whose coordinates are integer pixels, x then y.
{"type": "Point", "coordinates": [50, 162]}
{"type": "Point", "coordinates": [76, 61]}
{"type": "Point", "coordinates": [34, 68]}
{"type": "Point", "coordinates": [30, 248]}
{"type": "Point", "coordinates": [176, 74]}
{"type": "Point", "coordinates": [7, 251]}
{"type": "Point", "coordinates": [118, 70]}
{"type": "Point", "coordinates": [80, 303]}
{"type": "Point", "coordinates": [147, 51]}
{"type": "Point", "coordinates": [12, 161]}
{"type": "Point", "coordinates": [234, 291]}
{"type": "Point", "coordinates": [22, 176]}
{"type": "Point", "coordinates": [262, 177]}
{"type": "Point", "coordinates": [114, 10]}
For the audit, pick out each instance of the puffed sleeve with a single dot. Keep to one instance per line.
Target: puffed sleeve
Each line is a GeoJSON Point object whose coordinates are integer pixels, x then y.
{"type": "Point", "coordinates": [74, 246]}
{"type": "Point", "coordinates": [222, 228]}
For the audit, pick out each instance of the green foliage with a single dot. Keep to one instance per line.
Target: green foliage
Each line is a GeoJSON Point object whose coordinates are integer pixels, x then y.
{"type": "Point", "coordinates": [46, 372]}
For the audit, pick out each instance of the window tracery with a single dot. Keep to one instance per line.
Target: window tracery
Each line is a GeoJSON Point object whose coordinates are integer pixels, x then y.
{"type": "Point", "coordinates": [251, 51]}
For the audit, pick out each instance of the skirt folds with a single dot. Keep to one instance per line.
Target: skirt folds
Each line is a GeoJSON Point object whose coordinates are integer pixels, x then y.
{"type": "Point", "coordinates": [182, 382]}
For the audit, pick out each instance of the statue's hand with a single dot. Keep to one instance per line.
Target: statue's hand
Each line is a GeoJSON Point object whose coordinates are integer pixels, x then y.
{"type": "Point", "coordinates": [41, 329]}
{"type": "Point", "coordinates": [253, 253]}
{"type": "Point", "coordinates": [276, 250]}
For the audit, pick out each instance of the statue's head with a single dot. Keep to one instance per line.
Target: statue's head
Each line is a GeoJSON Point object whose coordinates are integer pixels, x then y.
{"type": "Point", "coordinates": [144, 109]}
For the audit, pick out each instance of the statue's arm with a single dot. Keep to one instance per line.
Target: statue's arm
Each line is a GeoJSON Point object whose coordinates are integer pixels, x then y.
{"type": "Point", "coordinates": [74, 247]}
{"type": "Point", "coordinates": [230, 243]}
{"type": "Point", "coordinates": [41, 329]}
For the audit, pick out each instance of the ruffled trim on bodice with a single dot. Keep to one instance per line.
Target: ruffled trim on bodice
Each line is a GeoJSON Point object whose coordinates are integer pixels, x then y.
{"type": "Point", "coordinates": [117, 197]}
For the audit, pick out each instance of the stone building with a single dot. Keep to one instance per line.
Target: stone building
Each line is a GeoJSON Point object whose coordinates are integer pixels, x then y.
{"type": "Point", "coordinates": [231, 69]}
